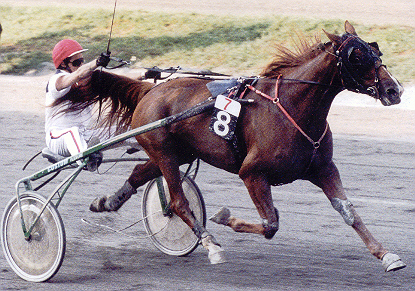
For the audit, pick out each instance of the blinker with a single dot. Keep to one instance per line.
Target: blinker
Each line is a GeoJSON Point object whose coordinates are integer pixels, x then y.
{"type": "Point", "coordinates": [355, 58]}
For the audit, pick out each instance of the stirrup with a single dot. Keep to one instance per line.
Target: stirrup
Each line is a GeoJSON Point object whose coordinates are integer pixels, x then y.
{"type": "Point", "coordinates": [51, 156]}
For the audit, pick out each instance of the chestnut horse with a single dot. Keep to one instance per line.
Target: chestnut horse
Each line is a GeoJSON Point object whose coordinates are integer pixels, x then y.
{"type": "Point", "coordinates": [283, 136]}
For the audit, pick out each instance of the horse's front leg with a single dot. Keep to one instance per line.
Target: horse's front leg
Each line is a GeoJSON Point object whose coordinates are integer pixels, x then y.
{"type": "Point", "coordinates": [260, 192]}
{"type": "Point", "coordinates": [328, 179]}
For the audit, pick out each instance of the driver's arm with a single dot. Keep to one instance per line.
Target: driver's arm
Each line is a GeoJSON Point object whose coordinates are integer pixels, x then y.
{"type": "Point", "coordinates": [82, 72]}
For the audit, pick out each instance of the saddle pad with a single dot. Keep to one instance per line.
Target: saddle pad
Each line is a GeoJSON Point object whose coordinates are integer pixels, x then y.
{"type": "Point", "coordinates": [218, 87]}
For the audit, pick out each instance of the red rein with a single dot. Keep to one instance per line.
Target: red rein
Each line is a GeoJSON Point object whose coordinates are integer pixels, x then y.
{"type": "Point", "coordinates": [276, 100]}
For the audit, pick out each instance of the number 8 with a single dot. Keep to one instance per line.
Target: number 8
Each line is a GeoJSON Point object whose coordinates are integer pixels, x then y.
{"type": "Point", "coordinates": [221, 126]}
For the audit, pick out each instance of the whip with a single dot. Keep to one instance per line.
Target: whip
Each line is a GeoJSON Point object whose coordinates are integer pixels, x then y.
{"type": "Point", "coordinates": [121, 61]}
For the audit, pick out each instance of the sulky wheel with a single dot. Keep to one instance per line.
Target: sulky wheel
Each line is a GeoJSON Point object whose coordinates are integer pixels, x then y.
{"type": "Point", "coordinates": [168, 232]}
{"type": "Point", "coordinates": [39, 257]}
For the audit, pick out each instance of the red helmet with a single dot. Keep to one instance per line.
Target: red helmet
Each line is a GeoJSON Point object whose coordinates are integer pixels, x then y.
{"type": "Point", "coordinates": [65, 49]}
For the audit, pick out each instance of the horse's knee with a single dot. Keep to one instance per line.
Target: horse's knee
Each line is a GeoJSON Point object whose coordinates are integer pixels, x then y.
{"type": "Point", "coordinates": [344, 207]}
{"type": "Point", "coordinates": [270, 229]}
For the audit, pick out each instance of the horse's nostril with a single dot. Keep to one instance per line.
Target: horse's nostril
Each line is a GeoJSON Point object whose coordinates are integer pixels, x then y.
{"type": "Point", "coordinates": [391, 92]}
{"type": "Point", "coordinates": [393, 96]}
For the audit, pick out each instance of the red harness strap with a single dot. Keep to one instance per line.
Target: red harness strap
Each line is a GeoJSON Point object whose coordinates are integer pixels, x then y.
{"type": "Point", "coordinates": [276, 100]}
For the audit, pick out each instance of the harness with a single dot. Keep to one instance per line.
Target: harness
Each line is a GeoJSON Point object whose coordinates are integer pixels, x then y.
{"type": "Point", "coordinates": [231, 90]}
{"type": "Point", "coordinates": [349, 76]}
{"type": "Point", "coordinates": [276, 100]}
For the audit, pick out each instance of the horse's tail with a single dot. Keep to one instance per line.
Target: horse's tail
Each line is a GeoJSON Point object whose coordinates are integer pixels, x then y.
{"type": "Point", "coordinates": [123, 94]}
{"type": "Point", "coordinates": [116, 95]}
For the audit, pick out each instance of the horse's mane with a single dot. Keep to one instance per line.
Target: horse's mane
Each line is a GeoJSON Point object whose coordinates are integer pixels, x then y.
{"type": "Point", "coordinates": [305, 50]}
{"type": "Point", "coordinates": [116, 95]}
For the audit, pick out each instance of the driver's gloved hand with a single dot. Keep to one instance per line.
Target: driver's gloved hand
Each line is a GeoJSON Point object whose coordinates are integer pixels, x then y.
{"type": "Point", "coordinates": [103, 59]}
{"type": "Point", "coordinates": [152, 74]}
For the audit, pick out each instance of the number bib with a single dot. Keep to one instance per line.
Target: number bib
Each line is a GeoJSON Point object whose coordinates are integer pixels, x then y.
{"type": "Point", "coordinates": [225, 117]}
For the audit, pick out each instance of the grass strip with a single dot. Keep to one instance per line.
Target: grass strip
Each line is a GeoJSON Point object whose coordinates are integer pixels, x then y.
{"type": "Point", "coordinates": [227, 44]}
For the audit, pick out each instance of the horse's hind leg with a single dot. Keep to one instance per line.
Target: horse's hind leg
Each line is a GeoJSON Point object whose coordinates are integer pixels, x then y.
{"type": "Point", "coordinates": [141, 174]}
{"type": "Point", "coordinates": [329, 181]}
{"type": "Point", "coordinates": [223, 216]}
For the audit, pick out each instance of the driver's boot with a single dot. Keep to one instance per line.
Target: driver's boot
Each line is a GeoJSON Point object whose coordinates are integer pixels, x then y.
{"type": "Point", "coordinates": [115, 201]}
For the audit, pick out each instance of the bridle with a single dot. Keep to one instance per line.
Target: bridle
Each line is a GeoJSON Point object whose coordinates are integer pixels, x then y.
{"type": "Point", "coordinates": [349, 79]}
{"type": "Point", "coordinates": [348, 75]}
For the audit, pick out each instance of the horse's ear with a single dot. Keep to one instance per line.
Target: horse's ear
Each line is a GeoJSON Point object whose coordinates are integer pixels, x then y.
{"type": "Point", "coordinates": [334, 38]}
{"type": "Point", "coordinates": [349, 28]}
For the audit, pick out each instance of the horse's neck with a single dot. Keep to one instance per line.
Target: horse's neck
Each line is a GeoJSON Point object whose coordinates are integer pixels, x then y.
{"type": "Point", "coordinates": [312, 101]}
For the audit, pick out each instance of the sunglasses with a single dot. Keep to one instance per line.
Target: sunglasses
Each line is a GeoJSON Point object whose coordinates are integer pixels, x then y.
{"type": "Point", "coordinates": [77, 62]}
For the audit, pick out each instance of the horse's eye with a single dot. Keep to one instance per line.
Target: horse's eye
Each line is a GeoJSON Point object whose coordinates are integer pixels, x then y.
{"type": "Point", "coordinates": [355, 58]}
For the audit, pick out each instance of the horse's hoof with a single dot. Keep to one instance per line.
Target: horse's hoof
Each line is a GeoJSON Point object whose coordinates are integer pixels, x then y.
{"type": "Point", "coordinates": [222, 216]}
{"type": "Point", "coordinates": [392, 262]}
{"type": "Point", "coordinates": [98, 205]}
{"type": "Point", "coordinates": [216, 255]}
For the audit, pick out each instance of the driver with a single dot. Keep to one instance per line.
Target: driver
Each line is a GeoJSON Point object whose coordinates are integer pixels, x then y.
{"type": "Point", "coordinates": [68, 134]}
{"type": "Point", "coordinates": [70, 130]}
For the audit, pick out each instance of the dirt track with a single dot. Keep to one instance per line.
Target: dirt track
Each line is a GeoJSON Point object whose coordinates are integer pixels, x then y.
{"type": "Point", "coordinates": [314, 249]}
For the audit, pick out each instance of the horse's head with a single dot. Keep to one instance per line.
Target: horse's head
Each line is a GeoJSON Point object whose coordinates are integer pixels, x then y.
{"type": "Point", "coordinates": [361, 69]}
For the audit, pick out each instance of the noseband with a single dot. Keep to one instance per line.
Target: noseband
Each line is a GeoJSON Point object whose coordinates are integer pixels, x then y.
{"type": "Point", "coordinates": [349, 73]}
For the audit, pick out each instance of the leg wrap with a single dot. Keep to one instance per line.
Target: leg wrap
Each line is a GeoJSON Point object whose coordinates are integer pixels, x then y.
{"type": "Point", "coordinates": [344, 208]}
{"type": "Point", "coordinates": [271, 228]}
{"type": "Point", "coordinates": [198, 229]}
{"type": "Point", "coordinates": [115, 201]}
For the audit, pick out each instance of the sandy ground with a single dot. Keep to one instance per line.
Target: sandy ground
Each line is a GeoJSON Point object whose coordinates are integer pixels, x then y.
{"type": "Point", "coordinates": [314, 250]}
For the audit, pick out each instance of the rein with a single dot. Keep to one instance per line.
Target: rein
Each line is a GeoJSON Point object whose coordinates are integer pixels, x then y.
{"type": "Point", "coordinates": [276, 100]}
